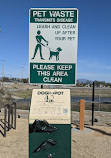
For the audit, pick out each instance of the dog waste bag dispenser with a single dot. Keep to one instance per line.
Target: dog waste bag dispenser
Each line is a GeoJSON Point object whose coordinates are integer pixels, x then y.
{"type": "Point", "coordinates": [50, 124]}
{"type": "Point", "coordinates": [53, 35]}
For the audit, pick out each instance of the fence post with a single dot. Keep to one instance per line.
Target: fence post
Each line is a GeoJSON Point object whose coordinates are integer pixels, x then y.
{"type": "Point", "coordinates": [8, 117]}
{"type": "Point", "coordinates": [14, 114]}
{"type": "Point", "coordinates": [82, 105]}
{"type": "Point", "coordinates": [10, 112]}
{"type": "Point", "coordinates": [5, 120]}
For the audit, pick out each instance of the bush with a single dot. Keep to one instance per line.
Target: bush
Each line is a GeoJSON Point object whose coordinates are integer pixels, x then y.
{"type": "Point", "coordinates": [2, 91]}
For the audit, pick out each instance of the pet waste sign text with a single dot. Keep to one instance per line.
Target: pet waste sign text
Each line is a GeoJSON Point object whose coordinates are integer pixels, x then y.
{"type": "Point", "coordinates": [53, 36]}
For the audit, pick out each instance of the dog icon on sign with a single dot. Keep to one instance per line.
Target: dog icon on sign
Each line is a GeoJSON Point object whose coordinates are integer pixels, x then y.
{"type": "Point", "coordinates": [49, 98]}
{"type": "Point", "coordinates": [55, 53]}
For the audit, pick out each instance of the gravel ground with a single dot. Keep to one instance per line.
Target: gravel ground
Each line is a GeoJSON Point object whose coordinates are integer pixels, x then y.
{"type": "Point", "coordinates": [15, 145]}
{"type": "Point", "coordinates": [93, 142]}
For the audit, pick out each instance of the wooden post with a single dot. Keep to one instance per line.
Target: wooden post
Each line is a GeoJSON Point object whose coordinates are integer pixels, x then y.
{"type": "Point", "coordinates": [82, 103]}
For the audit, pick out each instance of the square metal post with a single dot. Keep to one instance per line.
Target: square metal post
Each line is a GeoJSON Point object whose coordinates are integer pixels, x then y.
{"type": "Point", "coordinates": [5, 120]}
{"type": "Point", "coordinates": [8, 117]}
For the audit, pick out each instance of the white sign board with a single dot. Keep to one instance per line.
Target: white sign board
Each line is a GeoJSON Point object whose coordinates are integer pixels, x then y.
{"type": "Point", "coordinates": [52, 105]}
{"type": "Point", "coordinates": [53, 36]}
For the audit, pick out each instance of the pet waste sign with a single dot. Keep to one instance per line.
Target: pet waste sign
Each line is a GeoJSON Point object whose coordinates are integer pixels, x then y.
{"type": "Point", "coordinates": [53, 36]}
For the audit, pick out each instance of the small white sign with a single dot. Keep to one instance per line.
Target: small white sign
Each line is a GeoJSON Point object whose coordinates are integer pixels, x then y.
{"type": "Point", "coordinates": [52, 105]}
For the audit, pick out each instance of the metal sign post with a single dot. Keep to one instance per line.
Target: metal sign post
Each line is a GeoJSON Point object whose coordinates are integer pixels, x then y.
{"type": "Point", "coordinates": [93, 104]}
{"type": "Point", "coordinates": [53, 36]}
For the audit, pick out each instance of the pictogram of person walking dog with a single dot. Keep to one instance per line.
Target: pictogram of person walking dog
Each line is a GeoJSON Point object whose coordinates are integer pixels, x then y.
{"type": "Point", "coordinates": [39, 45]}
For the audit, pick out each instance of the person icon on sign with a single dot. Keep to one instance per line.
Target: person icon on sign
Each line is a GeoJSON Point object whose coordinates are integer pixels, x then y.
{"type": "Point", "coordinates": [39, 45]}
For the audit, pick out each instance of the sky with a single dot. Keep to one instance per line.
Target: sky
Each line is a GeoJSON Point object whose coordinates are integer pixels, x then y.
{"type": "Point", "coordinates": [94, 36]}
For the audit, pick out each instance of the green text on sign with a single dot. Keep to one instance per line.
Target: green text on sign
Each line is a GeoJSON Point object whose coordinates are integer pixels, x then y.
{"type": "Point", "coordinates": [52, 73]}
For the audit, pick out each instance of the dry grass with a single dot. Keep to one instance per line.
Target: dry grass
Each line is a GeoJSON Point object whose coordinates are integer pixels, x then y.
{"type": "Point", "coordinates": [22, 93]}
